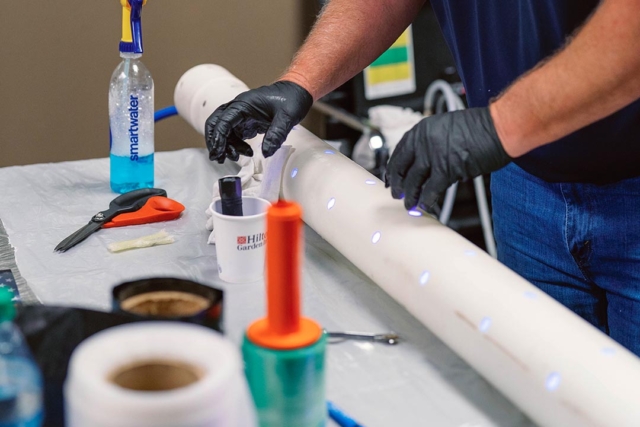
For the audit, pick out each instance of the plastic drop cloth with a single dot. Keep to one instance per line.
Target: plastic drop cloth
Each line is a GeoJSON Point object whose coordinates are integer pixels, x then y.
{"type": "Point", "coordinates": [420, 382]}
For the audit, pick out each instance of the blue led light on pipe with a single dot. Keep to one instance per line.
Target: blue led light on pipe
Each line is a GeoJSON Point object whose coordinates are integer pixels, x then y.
{"type": "Point", "coordinates": [485, 324]}
{"type": "Point", "coordinates": [331, 204]}
{"type": "Point", "coordinates": [370, 182]}
{"type": "Point", "coordinates": [424, 277]}
{"type": "Point", "coordinates": [329, 152]}
{"type": "Point", "coordinates": [415, 213]}
{"type": "Point", "coordinates": [294, 172]}
{"type": "Point", "coordinates": [553, 381]}
{"type": "Point", "coordinates": [376, 237]}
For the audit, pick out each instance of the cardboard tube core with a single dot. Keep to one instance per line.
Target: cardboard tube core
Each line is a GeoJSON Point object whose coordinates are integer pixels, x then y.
{"type": "Point", "coordinates": [156, 375]}
{"type": "Point", "coordinates": [165, 304]}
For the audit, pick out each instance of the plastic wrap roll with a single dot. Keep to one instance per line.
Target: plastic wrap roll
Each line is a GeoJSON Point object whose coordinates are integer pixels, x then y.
{"type": "Point", "coordinates": [288, 386]}
{"type": "Point", "coordinates": [556, 367]}
{"type": "Point", "coordinates": [157, 374]}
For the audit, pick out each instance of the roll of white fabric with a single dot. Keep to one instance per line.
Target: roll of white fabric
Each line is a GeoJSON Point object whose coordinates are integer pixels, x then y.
{"type": "Point", "coordinates": [393, 123]}
{"type": "Point", "coordinates": [557, 368]}
{"type": "Point", "coordinates": [157, 374]}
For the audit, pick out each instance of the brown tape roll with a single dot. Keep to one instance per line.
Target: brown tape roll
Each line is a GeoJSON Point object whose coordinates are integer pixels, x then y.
{"type": "Point", "coordinates": [166, 298]}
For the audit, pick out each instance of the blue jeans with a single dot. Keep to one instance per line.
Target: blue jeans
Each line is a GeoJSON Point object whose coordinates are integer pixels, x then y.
{"type": "Point", "coordinates": [579, 243]}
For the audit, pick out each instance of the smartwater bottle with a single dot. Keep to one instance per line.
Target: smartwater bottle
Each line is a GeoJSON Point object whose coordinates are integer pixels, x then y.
{"type": "Point", "coordinates": [131, 109]}
{"type": "Point", "coordinates": [20, 378]}
{"type": "Point", "coordinates": [131, 125]}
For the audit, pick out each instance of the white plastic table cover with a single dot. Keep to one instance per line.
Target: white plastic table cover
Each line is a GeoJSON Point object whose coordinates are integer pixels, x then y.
{"type": "Point", "coordinates": [419, 382]}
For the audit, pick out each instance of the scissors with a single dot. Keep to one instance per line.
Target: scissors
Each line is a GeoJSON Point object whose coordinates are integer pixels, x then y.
{"type": "Point", "coordinates": [156, 209]}
{"type": "Point", "coordinates": [135, 207]}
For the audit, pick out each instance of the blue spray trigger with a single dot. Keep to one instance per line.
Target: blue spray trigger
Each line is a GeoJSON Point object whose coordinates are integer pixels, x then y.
{"type": "Point", "coordinates": [136, 24]}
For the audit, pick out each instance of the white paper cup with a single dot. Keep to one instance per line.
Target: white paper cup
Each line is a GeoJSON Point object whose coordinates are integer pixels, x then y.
{"type": "Point", "coordinates": [240, 240]}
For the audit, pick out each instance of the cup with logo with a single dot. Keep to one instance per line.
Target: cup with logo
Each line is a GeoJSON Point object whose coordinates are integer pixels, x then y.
{"type": "Point", "coordinates": [241, 240]}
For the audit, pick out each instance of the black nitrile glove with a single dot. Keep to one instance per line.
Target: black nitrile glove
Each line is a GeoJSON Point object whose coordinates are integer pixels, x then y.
{"type": "Point", "coordinates": [440, 151]}
{"type": "Point", "coordinates": [273, 110]}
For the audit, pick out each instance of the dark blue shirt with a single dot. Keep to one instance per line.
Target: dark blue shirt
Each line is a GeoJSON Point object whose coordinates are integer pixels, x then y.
{"type": "Point", "coordinates": [496, 41]}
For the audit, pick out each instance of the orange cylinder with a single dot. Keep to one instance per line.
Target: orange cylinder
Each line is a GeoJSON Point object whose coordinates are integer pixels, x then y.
{"type": "Point", "coordinates": [283, 267]}
{"type": "Point", "coordinates": [284, 327]}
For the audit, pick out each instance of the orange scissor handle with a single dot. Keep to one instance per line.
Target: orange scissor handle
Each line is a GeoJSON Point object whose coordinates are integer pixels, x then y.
{"type": "Point", "coordinates": [156, 209]}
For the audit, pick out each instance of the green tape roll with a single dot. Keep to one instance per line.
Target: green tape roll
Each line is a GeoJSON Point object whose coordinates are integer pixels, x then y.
{"type": "Point", "coordinates": [288, 387]}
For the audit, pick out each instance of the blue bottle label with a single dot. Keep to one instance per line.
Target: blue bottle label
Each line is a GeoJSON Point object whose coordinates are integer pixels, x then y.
{"type": "Point", "coordinates": [133, 128]}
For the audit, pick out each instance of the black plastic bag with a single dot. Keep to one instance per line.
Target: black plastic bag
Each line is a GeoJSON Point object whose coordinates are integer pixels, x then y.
{"type": "Point", "coordinates": [52, 334]}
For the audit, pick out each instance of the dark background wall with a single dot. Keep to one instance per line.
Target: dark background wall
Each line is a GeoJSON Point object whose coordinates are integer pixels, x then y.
{"type": "Point", "coordinates": [56, 59]}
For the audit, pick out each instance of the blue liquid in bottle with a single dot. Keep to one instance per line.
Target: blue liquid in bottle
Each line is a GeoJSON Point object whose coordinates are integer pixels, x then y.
{"type": "Point", "coordinates": [128, 175]}
{"type": "Point", "coordinates": [20, 393]}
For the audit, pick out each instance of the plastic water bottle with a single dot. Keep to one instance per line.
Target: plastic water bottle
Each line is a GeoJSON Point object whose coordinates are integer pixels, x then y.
{"type": "Point", "coordinates": [131, 125]}
{"type": "Point", "coordinates": [131, 108]}
{"type": "Point", "coordinates": [20, 379]}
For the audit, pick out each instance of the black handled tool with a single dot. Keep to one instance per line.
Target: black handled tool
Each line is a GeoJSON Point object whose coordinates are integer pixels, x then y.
{"type": "Point", "coordinates": [230, 195]}
{"type": "Point", "coordinates": [128, 202]}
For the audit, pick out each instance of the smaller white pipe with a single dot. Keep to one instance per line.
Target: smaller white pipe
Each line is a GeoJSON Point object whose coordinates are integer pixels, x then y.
{"type": "Point", "coordinates": [454, 103]}
{"type": "Point", "coordinates": [447, 91]}
{"type": "Point", "coordinates": [447, 204]}
{"type": "Point", "coordinates": [485, 218]}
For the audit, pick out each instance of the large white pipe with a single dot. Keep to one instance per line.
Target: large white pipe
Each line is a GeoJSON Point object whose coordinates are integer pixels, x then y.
{"type": "Point", "coordinates": [548, 361]}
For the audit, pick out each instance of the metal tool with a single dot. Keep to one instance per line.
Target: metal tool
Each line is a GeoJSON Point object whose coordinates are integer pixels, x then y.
{"type": "Point", "coordinates": [377, 142]}
{"type": "Point", "coordinates": [128, 202]}
{"type": "Point", "coordinates": [388, 338]}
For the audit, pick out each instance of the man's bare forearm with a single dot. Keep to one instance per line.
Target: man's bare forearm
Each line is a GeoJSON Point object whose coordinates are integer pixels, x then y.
{"type": "Point", "coordinates": [348, 36]}
{"type": "Point", "coordinates": [597, 74]}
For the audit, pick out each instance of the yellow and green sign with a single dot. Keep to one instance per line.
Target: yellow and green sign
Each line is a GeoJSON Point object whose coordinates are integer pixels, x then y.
{"type": "Point", "coordinates": [393, 73]}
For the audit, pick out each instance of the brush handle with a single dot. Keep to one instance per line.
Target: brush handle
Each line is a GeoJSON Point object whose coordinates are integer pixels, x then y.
{"type": "Point", "coordinates": [230, 195]}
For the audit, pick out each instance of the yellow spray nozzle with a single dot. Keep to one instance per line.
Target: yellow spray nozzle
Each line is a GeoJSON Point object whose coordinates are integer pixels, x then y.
{"type": "Point", "coordinates": [126, 22]}
{"type": "Point", "coordinates": [131, 26]}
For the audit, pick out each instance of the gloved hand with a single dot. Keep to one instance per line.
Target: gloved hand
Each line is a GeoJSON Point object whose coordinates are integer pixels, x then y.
{"type": "Point", "coordinates": [273, 110]}
{"type": "Point", "coordinates": [440, 151]}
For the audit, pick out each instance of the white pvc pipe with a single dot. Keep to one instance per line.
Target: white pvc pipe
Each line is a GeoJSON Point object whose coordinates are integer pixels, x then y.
{"type": "Point", "coordinates": [557, 368]}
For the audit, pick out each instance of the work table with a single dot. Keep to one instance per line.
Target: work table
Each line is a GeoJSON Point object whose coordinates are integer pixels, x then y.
{"type": "Point", "coordinates": [419, 382]}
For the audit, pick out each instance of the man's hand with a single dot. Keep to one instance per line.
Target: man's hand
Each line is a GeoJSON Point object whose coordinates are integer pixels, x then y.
{"type": "Point", "coordinates": [273, 110]}
{"type": "Point", "coordinates": [440, 151]}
